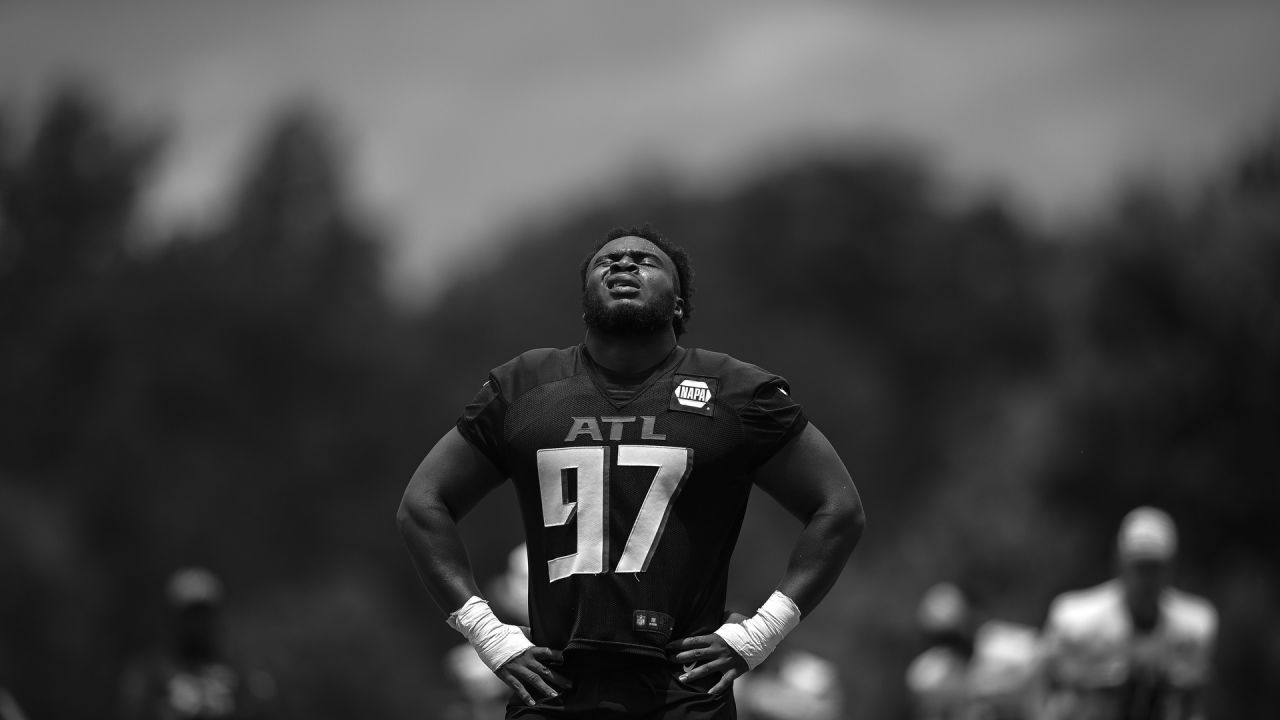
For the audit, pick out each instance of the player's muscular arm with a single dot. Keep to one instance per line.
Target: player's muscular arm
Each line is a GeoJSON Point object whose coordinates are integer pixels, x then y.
{"type": "Point", "coordinates": [446, 486]}
{"type": "Point", "coordinates": [807, 478]}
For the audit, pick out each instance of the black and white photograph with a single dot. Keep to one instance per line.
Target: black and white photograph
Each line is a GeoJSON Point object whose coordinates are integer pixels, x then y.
{"type": "Point", "coordinates": [571, 360]}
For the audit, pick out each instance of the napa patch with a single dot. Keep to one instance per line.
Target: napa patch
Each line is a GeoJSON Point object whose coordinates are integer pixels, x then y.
{"type": "Point", "coordinates": [693, 394]}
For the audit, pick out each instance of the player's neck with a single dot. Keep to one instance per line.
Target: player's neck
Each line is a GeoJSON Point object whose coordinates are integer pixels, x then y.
{"type": "Point", "coordinates": [629, 354]}
{"type": "Point", "coordinates": [1144, 616]}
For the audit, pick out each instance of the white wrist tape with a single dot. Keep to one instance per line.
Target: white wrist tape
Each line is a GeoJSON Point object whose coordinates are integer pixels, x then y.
{"type": "Point", "coordinates": [758, 635]}
{"type": "Point", "coordinates": [495, 641]}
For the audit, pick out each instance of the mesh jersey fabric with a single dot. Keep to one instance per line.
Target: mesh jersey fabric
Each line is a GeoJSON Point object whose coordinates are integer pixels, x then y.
{"type": "Point", "coordinates": [631, 509]}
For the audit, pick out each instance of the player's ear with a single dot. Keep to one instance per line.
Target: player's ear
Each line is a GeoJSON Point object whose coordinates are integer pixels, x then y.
{"type": "Point", "coordinates": [679, 311]}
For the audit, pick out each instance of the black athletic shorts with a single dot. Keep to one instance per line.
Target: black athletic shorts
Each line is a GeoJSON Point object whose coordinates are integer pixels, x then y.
{"type": "Point", "coordinates": [612, 686]}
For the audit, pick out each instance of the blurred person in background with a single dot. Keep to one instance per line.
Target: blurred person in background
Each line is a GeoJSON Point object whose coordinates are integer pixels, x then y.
{"type": "Point", "coordinates": [1132, 648]}
{"type": "Point", "coordinates": [193, 677]}
{"type": "Point", "coordinates": [937, 678]}
{"type": "Point", "coordinates": [970, 670]}
{"type": "Point", "coordinates": [632, 458]}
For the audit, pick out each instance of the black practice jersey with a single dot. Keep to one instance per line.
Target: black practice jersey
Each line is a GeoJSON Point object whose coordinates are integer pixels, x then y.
{"type": "Point", "coordinates": [632, 494]}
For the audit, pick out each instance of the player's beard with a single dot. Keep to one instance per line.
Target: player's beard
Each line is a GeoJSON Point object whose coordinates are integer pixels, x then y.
{"type": "Point", "coordinates": [626, 318]}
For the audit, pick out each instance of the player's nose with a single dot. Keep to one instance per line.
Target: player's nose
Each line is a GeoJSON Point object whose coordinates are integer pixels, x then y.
{"type": "Point", "coordinates": [623, 264]}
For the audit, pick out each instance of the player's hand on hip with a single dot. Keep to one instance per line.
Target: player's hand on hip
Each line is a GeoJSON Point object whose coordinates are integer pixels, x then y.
{"type": "Point", "coordinates": [712, 655]}
{"type": "Point", "coordinates": [529, 675]}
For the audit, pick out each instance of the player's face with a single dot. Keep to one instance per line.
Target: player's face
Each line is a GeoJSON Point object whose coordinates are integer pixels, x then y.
{"type": "Point", "coordinates": [1145, 580]}
{"type": "Point", "coordinates": [196, 630]}
{"type": "Point", "coordinates": [631, 288]}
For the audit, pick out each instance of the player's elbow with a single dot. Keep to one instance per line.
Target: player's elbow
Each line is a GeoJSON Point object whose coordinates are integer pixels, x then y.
{"type": "Point", "coordinates": [846, 512]}
{"type": "Point", "coordinates": [415, 512]}
{"type": "Point", "coordinates": [857, 520]}
{"type": "Point", "coordinates": [406, 516]}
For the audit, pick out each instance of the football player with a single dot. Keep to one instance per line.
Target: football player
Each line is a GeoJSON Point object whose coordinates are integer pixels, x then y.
{"type": "Point", "coordinates": [632, 458]}
{"type": "Point", "coordinates": [194, 678]}
{"type": "Point", "coordinates": [1133, 648]}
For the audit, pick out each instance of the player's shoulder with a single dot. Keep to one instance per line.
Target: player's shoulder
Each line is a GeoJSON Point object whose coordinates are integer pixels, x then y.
{"type": "Point", "coordinates": [739, 381]}
{"type": "Point", "coordinates": [1190, 614]}
{"type": "Point", "coordinates": [533, 368]}
{"type": "Point", "coordinates": [1087, 608]}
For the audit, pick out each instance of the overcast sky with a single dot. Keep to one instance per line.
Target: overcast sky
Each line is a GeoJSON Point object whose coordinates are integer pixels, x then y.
{"type": "Point", "coordinates": [465, 116]}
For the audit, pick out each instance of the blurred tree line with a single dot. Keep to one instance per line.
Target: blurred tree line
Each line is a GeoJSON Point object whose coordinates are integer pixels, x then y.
{"type": "Point", "coordinates": [245, 396]}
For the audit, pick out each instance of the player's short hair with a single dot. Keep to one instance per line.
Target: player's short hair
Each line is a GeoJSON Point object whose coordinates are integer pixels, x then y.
{"type": "Point", "coordinates": [684, 271]}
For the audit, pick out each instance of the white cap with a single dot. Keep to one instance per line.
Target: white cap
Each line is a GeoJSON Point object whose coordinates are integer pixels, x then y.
{"type": "Point", "coordinates": [1147, 533]}
{"type": "Point", "coordinates": [943, 607]}
{"type": "Point", "coordinates": [194, 586]}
